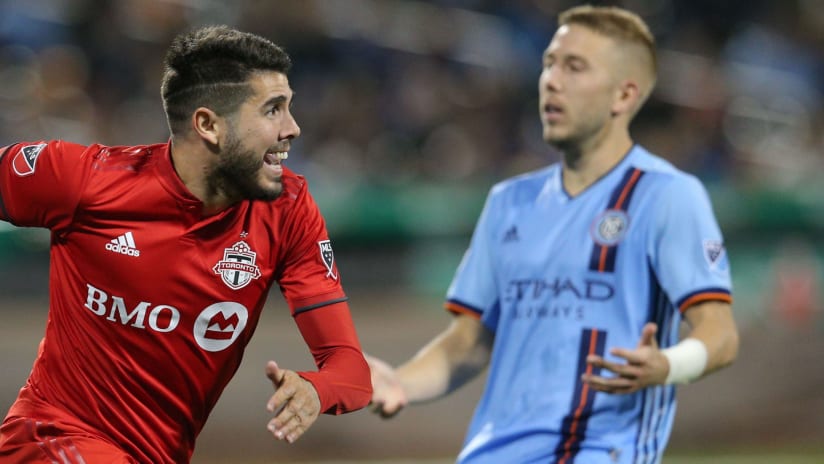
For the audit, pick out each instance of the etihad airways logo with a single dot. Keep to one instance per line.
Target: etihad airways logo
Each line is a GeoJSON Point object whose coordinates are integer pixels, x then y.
{"type": "Point", "coordinates": [559, 287]}
{"type": "Point", "coordinates": [215, 329]}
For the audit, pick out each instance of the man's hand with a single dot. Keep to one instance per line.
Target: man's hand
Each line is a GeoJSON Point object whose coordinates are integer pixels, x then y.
{"type": "Point", "coordinates": [388, 396]}
{"type": "Point", "coordinates": [295, 404]}
{"type": "Point", "coordinates": [645, 366]}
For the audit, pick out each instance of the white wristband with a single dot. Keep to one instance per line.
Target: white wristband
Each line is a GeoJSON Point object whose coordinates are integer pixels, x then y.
{"type": "Point", "coordinates": [687, 360]}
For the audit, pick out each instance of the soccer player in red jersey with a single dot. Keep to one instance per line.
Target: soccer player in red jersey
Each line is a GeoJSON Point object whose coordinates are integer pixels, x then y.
{"type": "Point", "coordinates": [162, 257]}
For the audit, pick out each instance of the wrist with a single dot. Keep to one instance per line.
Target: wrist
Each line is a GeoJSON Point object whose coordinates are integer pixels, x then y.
{"type": "Point", "coordinates": [687, 361]}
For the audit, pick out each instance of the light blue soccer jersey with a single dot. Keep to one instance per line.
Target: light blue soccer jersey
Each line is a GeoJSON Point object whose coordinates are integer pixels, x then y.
{"type": "Point", "coordinates": [557, 278]}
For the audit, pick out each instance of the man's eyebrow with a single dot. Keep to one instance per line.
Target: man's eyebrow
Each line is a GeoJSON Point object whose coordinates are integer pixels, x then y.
{"type": "Point", "coordinates": [276, 100]}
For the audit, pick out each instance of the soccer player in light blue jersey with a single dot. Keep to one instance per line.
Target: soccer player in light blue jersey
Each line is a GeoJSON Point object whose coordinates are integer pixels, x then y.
{"type": "Point", "coordinates": [579, 275]}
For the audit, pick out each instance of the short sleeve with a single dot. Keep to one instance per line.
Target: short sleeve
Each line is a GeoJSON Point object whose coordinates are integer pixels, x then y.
{"type": "Point", "coordinates": [473, 290]}
{"type": "Point", "coordinates": [688, 252]}
{"type": "Point", "coordinates": [308, 276]}
{"type": "Point", "coordinates": [41, 183]}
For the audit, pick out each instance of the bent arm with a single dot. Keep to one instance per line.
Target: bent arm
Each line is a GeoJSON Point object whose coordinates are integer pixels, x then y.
{"type": "Point", "coordinates": [713, 324]}
{"type": "Point", "coordinates": [342, 380]}
{"type": "Point", "coordinates": [449, 361]}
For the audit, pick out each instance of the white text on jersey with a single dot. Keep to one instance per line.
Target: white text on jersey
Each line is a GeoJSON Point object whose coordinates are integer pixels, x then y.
{"type": "Point", "coordinates": [124, 244]}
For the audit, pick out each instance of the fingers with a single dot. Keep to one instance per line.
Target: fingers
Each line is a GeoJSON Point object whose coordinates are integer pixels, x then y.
{"type": "Point", "coordinates": [292, 422]}
{"type": "Point", "coordinates": [648, 335]}
{"type": "Point", "coordinates": [388, 396]}
{"type": "Point", "coordinates": [630, 371]}
{"type": "Point", "coordinates": [388, 407]}
{"type": "Point", "coordinates": [295, 404]}
{"type": "Point", "coordinates": [274, 372]}
{"type": "Point", "coordinates": [616, 385]}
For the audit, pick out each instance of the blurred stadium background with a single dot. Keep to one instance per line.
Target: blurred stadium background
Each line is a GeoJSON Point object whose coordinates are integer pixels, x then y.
{"type": "Point", "coordinates": [410, 110]}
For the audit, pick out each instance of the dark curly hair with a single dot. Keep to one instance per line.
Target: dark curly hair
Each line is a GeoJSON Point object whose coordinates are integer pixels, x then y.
{"type": "Point", "coordinates": [210, 67]}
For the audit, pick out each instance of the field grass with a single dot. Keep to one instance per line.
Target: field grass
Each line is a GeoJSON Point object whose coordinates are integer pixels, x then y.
{"type": "Point", "coordinates": [747, 459]}
{"type": "Point", "coordinates": [726, 458]}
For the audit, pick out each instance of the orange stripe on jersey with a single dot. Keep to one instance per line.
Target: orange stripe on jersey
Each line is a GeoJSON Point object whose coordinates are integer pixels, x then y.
{"type": "Point", "coordinates": [627, 188]}
{"type": "Point", "coordinates": [459, 309]}
{"type": "Point", "coordinates": [702, 297]}
{"type": "Point", "coordinates": [602, 260]}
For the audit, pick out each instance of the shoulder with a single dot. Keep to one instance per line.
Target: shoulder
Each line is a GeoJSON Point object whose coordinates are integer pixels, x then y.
{"type": "Point", "coordinates": [295, 187]}
{"type": "Point", "coordinates": [663, 176]}
{"type": "Point", "coordinates": [524, 187]}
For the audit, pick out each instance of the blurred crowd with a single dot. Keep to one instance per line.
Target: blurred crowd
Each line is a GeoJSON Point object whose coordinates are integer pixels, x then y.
{"type": "Point", "coordinates": [431, 96]}
{"type": "Point", "coordinates": [401, 92]}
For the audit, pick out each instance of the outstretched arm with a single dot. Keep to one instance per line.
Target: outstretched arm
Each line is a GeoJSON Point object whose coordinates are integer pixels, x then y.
{"type": "Point", "coordinates": [341, 383]}
{"type": "Point", "coordinates": [712, 344]}
{"type": "Point", "coordinates": [446, 363]}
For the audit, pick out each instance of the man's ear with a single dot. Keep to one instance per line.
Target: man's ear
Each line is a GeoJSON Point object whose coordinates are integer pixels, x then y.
{"type": "Point", "coordinates": [208, 125]}
{"type": "Point", "coordinates": [627, 98]}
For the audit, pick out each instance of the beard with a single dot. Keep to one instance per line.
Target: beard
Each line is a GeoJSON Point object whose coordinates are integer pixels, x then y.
{"type": "Point", "coordinates": [237, 173]}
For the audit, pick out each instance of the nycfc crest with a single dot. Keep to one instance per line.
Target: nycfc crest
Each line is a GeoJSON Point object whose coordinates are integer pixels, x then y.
{"type": "Point", "coordinates": [610, 227]}
{"type": "Point", "coordinates": [237, 268]}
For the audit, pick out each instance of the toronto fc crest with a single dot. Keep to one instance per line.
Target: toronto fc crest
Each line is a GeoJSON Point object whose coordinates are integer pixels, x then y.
{"type": "Point", "coordinates": [237, 268]}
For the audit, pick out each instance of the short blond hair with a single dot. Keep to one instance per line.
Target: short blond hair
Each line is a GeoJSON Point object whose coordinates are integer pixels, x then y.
{"type": "Point", "coordinates": [618, 24]}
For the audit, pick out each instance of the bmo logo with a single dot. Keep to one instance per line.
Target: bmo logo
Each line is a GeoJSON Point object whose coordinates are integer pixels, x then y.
{"type": "Point", "coordinates": [216, 327]}
{"type": "Point", "coordinates": [219, 325]}
{"type": "Point", "coordinates": [160, 318]}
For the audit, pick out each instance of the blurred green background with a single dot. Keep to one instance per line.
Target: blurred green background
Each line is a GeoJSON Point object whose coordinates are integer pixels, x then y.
{"type": "Point", "coordinates": [410, 111]}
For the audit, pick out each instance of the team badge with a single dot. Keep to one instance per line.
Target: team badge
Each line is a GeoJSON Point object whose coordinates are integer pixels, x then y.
{"type": "Point", "coordinates": [328, 258]}
{"type": "Point", "coordinates": [715, 254]}
{"type": "Point", "coordinates": [219, 325]}
{"type": "Point", "coordinates": [237, 268]}
{"type": "Point", "coordinates": [26, 159]}
{"type": "Point", "coordinates": [610, 227]}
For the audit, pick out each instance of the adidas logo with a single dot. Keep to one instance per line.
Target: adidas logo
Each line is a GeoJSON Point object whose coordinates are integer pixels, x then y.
{"type": "Point", "coordinates": [511, 235]}
{"type": "Point", "coordinates": [124, 245]}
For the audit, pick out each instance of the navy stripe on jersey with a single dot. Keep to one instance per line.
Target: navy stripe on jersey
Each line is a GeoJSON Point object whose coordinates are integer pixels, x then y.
{"type": "Point", "coordinates": [656, 401]}
{"type": "Point", "coordinates": [458, 306]}
{"type": "Point", "coordinates": [602, 258]}
{"type": "Point", "coordinates": [574, 425]}
{"type": "Point", "coordinates": [3, 213]}
{"type": "Point", "coordinates": [318, 305]}
{"type": "Point", "coordinates": [705, 294]}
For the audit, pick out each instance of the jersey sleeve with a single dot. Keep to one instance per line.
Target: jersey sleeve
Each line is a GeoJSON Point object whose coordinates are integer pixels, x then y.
{"type": "Point", "coordinates": [473, 290]}
{"type": "Point", "coordinates": [41, 183]}
{"type": "Point", "coordinates": [308, 275]}
{"type": "Point", "coordinates": [343, 379]}
{"type": "Point", "coordinates": [688, 248]}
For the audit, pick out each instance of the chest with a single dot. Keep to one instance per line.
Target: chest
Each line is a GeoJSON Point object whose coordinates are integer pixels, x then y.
{"type": "Point", "coordinates": [559, 237]}
{"type": "Point", "coordinates": [228, 258]}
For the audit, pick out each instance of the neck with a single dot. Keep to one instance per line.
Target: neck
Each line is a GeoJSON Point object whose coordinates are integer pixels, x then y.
{"type": "Point", "coordinates": [585, 163]}
{"type": "Point", "coordinates": [188, 162]}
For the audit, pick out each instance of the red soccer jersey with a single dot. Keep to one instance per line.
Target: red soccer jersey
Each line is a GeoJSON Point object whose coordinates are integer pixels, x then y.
{"type": "Point", "coordinates": [151, 303]}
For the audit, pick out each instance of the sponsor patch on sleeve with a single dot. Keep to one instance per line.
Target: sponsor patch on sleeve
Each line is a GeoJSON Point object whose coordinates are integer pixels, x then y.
{"type": "Point", "coordinates": [25, 160]}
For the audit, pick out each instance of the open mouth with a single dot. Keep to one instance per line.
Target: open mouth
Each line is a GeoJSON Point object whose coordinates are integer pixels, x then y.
{"type": "Point", "coordinates": [274, 158]}
{"type": "Point", "coordinates": [552, 112]}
